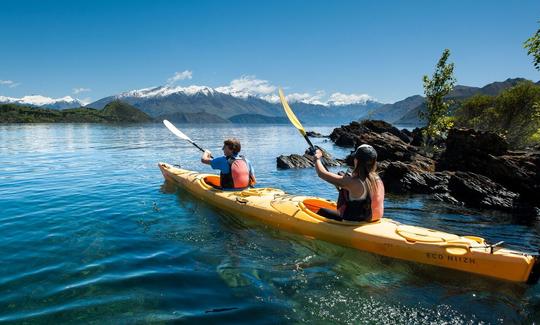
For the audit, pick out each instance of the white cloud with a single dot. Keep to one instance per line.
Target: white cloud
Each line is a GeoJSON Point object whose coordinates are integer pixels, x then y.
{"type": "Point", "coordinates": [251, 86]}
{"type": "Point", "coordinates": [347, 99]}
{"type": "Point", "coordinates": [308, 98]}
{"type": "Point", "coordinates": [80, 90]}
{"type": "Point", "coordinates": [180, 76]}
{"type": "Point", "coordinates": [298, 97]}
{"type": "Point", "coordinates": [248, 86]}
{"type": "Point", "coordinates": [85, 101]}
{"type": "Point", "coordinates": [9, 83]}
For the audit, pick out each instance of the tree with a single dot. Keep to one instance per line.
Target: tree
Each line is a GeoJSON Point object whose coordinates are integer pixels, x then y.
{"type": "Point", "coordinates": [532, 45]}
{"type": "Point", "coordinates": [441, 84]}
{"type": "Point", "coordinates": [512, 114]}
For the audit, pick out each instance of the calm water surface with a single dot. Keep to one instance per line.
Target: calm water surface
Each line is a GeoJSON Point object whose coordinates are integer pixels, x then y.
{"type": "Point", "coordinates": [92, 234]}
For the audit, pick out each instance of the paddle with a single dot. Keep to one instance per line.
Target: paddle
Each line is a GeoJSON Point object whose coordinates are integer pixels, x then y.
{"type": "Point", "coordinates": [294, 120]}
{"type": "Point", "coordinates": [181, 135]}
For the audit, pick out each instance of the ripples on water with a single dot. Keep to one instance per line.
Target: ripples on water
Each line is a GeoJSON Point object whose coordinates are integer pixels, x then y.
{"type": "Point", "coordinates": [91, 233]}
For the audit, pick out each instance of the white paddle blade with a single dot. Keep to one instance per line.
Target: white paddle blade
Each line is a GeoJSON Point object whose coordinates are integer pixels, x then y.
{"type": "Point", "coordinates": [175, 131]}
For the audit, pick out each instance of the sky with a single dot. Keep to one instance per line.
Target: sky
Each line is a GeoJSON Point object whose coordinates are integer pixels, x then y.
{"type": "Point", "coordinates": [93, 49]}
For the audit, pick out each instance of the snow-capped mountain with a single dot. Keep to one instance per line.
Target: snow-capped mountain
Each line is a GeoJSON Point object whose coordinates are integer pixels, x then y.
{"type": "Point", "coordinates": [230, 101]}
{"type": "Point", "coordinates": [269, 95]}
{"type": "Point", "coordinates": [44, 102]}
{"type": "Point", "coordinates": [163, 91]}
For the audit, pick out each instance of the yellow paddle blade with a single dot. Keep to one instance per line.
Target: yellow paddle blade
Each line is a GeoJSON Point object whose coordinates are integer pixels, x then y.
{"type": "Point", "coordinates": [290, 113]}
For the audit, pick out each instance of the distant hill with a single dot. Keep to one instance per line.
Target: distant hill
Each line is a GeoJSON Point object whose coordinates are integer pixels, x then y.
{"type": "Point", "coordinates": [115, 112]}
{"type": "Point", "coordinates": [459, 94]}
{"type": "Point", "coordinates": [319, 114]}
{"type": "Point", "coordinates": [258, 119]}
{"type": "Point", "coordinates": [118, 111]}
{"type": "Point", "coordinates": [393, 112]}
{"type": "Point", "coordinates": [195, 118]}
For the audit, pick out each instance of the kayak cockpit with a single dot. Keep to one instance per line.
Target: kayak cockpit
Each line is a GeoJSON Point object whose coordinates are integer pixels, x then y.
{"type": "Point", "coordinates": [312, 206]}
{"type": "Point", "coordinates": [212, 181]}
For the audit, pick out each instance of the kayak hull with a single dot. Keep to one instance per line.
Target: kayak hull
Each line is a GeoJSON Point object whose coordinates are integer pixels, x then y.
{"type": "Point", "coordinates": [297, 214]}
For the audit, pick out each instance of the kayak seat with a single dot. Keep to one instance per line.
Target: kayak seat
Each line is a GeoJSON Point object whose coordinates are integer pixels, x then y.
{"type": "Point", "coordinates": [316, 204]}
{"type": "Point", "coordinates": [213, 180]}
{"type": "Point", "coordinates": [326, 210]}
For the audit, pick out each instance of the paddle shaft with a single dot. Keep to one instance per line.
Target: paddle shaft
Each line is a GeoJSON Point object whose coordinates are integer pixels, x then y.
{"type": "Point", "coordinates": [201, 149]}
{"type": "Point", "coordinates": [197, 146]}
{"type": "Point", "coordinates": [313, 148]}
{"type": "Point", "coordinates": [309, 142]}
{"type": "Point", "coordinates": [181, 135]}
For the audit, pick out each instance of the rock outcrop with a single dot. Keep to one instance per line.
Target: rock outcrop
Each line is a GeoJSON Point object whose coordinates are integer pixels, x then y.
{"type": "Point", "coordinates": [306, 160]}
{"type": "Point", "coordinates": [313, 134]}
{"type": "Point", "coordinates": [476, 169]}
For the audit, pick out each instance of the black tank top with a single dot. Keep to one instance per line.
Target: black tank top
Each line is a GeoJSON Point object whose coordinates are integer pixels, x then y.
{"type": "Point", "coordinates": [354, 210]}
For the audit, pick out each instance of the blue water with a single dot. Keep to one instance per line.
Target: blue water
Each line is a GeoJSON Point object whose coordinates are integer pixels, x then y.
{"type": "Point", "coordinates": [92, 234]}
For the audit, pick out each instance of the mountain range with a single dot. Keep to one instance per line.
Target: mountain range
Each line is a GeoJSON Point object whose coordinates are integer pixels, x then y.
{"type": "Point", "coordinates": [201, 104]}
{"type": "Point", "coordinates": [208, 104]}
{"type": "Point", "coordinates": [43, 102]}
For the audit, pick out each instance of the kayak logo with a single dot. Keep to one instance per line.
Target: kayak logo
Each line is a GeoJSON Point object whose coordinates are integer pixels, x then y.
{"type": "Point", "coordinates": [456, 259]}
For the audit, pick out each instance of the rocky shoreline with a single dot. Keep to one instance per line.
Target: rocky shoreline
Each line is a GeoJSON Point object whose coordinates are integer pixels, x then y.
{"type": "Point", "coordinates": [475, 169]}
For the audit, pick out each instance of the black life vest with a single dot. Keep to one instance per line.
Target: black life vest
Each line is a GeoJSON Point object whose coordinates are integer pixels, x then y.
{"type": "Point", "coordinates": [354, 210]}
{"type": "Point", "coordinates": [239, 176]}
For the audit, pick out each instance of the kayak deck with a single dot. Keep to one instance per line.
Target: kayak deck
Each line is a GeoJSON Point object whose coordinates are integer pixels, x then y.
{"type": "Point", "coordinates": [298, 214]}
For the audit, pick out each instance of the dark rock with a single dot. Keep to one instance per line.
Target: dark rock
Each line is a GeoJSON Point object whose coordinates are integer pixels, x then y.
{"type": "Point", "coordinates": [293, 161]}
{"type": "Point", "coordinates": [407, 133]}
{"type": "Point", "coordinates": [446, 197]}
{"type": "Point", "coordinates": [417, 139]}
{"type": "Point", "coordinates": [305, 161]}
{"type": "Point", "coordinates": [313, 134]}
{"type": "Point", "coordinates": [343, 139]}
{"type": "Point", "coordinates": [399, 177]}
{"type": "Point", "coordinates": [391, 148]}
{"type": "Point", "coordinates": [382, 126]}
{"type": "Point", "coordinates": [487, 154]}
{"type": "Point", "coordinates": [346, 135]}
{"type": "Point", "coordinates": [519, 172]}
{"type": "Point", "coordinates": [457, 188]}
{"type": "Point", "coordinates": [480, 191]}
{"type": "Point", "coordinates": [468, 149]}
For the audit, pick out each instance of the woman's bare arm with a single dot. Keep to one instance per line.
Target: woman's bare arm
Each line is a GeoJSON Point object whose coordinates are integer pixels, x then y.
{"type": "Point", "coordinates": [330, 177]}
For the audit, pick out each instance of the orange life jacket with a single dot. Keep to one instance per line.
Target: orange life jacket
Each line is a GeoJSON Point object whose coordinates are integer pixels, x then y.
{"type": "Point", "coordinates": [239, 175]}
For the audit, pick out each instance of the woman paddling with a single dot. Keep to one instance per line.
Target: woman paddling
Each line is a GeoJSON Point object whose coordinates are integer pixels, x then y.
{"type": "Point", "coordinates": [361, 195]}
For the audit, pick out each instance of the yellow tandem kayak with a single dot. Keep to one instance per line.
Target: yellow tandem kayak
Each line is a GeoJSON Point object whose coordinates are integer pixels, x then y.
{"type": "Point", "coordinates": [298, 214]}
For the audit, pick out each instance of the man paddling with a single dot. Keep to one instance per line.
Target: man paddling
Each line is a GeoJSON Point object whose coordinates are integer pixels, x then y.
{"type": "Point", "coordinates": [236, 171]}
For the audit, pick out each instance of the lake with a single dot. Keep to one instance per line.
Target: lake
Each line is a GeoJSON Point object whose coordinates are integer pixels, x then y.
{"type": "Point", "coordinates": [92, 234]}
